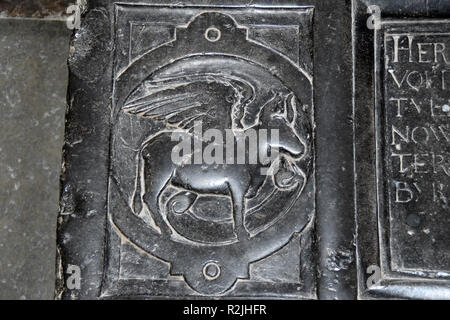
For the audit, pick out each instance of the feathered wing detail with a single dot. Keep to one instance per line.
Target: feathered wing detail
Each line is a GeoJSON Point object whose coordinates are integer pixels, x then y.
{"type": "Point", "coordinates": [216, 100]}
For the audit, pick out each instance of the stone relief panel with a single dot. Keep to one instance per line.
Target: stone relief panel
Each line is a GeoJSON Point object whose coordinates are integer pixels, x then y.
{"type": "Point", "coordinates": [224, 220]}
{"type": "Point", "coordinates": [194, 173]}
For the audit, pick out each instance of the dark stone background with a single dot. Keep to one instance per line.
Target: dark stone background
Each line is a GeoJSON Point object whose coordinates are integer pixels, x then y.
{"type": "Point", "coordinates": [33, 84]}
{"type": "Point", "coordinates": [34, 8]}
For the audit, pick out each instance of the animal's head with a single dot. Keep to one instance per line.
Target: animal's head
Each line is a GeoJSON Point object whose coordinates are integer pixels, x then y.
{"type": "Point", "coordinates": [280, 113]}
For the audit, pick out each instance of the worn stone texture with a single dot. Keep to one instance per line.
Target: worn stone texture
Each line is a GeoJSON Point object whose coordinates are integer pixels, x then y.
{"type": "Point", "coordinates": [342, 261]}
{"type": "Point", "coordinates": [34, 8]}
{"type": "Point", "coordinates": [105, 230]}
{"type": "Point", "coordinates": [401, 195]}
{"type": "Point", "coordinates": [33, 82]}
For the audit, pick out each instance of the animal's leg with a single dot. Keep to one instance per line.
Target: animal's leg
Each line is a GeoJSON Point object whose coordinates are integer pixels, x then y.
{"type": "Point", "coordinates": [157, 174]}
{"type": "Point", "coordinates": [151, 198]}
{"type": "Point", "coordinates": [255, 184]}
{"type": "Point", "coordinates": [237, 197]}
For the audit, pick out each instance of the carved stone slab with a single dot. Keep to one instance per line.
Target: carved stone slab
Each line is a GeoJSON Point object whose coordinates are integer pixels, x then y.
{"type": "Point", "coordinates": [134, 223]}
{"type": "Point", "coordinates": [416, 149]}
{"type": "Point", "coordinates": [220, 67]}
{"type": "Point", "coordinates": [403, 183]}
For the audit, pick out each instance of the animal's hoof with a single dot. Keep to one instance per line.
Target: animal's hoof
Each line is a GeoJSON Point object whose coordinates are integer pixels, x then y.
{"type": "Point", "coordinates": [182, 202]}
{"type": "Point", "coordinates": [242, 235]}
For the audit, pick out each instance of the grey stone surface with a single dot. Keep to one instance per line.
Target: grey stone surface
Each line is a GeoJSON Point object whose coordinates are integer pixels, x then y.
{"type": "Point", "coordinates": [402, 205]}
{"type": "Point", "coordinates": [34, 8]}
{"type": "Point", "coordinates": [118, 235]}
{"type": "Point", "coordinates": [231, 215]}
{"type": "Point", "coordinates": [135, 224]}
{"type": "Point", "coordinates": [33, 82]}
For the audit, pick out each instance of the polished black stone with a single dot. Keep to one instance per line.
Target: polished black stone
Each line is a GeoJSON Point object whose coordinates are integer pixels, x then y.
{"type": "Point", "coordinates": [402, 151]}
{"type": "Point", "coordinates": [358, 206]}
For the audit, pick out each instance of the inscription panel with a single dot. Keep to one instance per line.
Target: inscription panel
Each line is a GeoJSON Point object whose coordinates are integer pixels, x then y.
{"type": "Point", "coordinates": [401, 109]}
{"type": "Point", "coordinates": [416, 105]}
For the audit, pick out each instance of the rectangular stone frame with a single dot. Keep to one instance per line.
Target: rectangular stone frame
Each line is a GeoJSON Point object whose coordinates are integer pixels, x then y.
{"type": "Point", "coordinates": [114, 286]}
{"type": "Point", "coordinates": [373, 250]}
{"type": "Point", "coordinates": [82, 232]}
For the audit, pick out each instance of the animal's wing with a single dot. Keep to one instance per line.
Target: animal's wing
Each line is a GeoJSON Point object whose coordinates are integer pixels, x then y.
{"type": "Point", "coordinates": [180, 101]}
